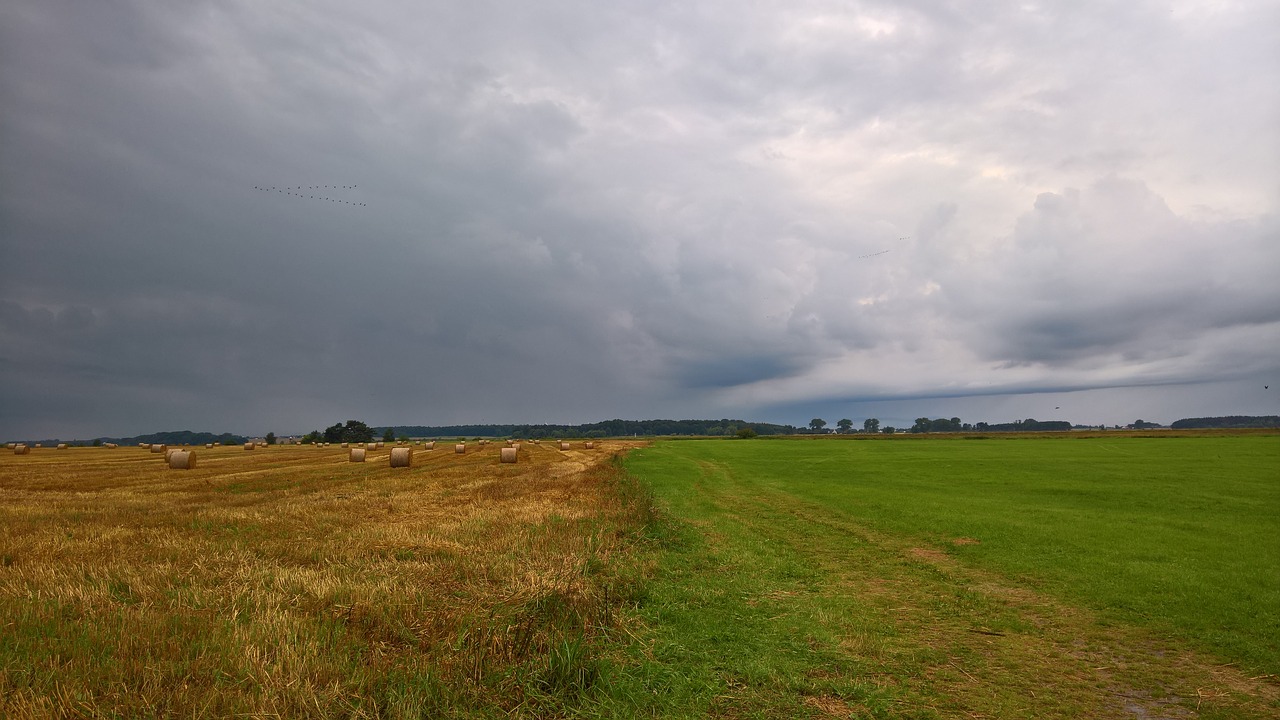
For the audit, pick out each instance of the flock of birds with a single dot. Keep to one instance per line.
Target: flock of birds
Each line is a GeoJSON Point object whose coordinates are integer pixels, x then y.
{"type": "Point", "coordinates": [297, 191]}
{"type": "Point", "coordinates": [863, 257]}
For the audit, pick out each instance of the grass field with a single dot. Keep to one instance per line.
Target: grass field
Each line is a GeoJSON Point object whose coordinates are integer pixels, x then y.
{"type": "Point", "coordinates": [1120, 577]}
{"type": "Point", "coordinates": [1106, 577]}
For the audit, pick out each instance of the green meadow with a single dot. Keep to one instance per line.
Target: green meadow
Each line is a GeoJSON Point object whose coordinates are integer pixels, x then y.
{"type": "Point", "coordinates": [1111, 576]}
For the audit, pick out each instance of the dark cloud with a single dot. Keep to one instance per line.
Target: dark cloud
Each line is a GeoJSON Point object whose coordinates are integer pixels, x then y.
{"type": "Point", "coordinates": [573, 212]}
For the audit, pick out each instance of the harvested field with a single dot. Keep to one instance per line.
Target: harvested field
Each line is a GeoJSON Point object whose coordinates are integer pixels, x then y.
{"type": "Point", "coordinates": [289, 582]}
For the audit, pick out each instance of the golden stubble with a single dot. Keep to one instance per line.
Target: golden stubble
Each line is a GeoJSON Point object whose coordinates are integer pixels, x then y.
{"type": "Point", "coordinates": [289, 580]}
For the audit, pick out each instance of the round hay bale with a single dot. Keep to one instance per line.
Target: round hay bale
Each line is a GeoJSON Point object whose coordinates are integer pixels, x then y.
{"type": "Point", "coordinates": [564, 446]}
{"type": "Point", "coordinates": [371, 446]}
{"type": "Point", "coordinates": [379, 444]}
{"type": "Point", "coordinates": [590, 445]}
{"type": "Point", "coordinates": [110, 446]}
{"type": "Point", "coordinates": [208, 446]}
{"type": "Point", "coordinates": [11, 445]}
{"type": "Point", "coordinates": [21, 449]}
{"type": "Point", "coordinates": [39, 445]}
{"type": "Point", "coordinates": [250, 446]}
{"type": "Point", "coordinates": [460, 448]}
{"type": "Point", "coordinates": [158, 448]}
{"type": "Point", "coordinates": [61, 446]}
{"type": "Point", "coordinates": [401, 457]}
{"type": "Point", "coordinates": [356, 455]}
{"type": "Point", "coordinates": [511, 443]}
{"type": "Point", "coordinates": [508, 454]}
{"type": "Point", "coordinates": [346, 444]}
{"type": "Point", "coordinates": [182, 459]}
{"type": "Point", "coordinates": [430, 445]}
{"type": "Point", "coordinates": [169, 453]}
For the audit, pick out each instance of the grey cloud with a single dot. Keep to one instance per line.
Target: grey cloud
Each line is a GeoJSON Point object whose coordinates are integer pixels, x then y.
{"type": "Point", "coordinates": [576, 211]}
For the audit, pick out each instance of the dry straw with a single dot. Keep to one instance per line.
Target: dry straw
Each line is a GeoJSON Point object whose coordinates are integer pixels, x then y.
{"type": "Point", "coordinates": [401, 457]}
{"type": "Point", "coordinates": [21, 449]}
{"type": "Point", "coordinates": [371, 446]}
{"type": "Point", "coordinates": [182, 459]}
{"type": "Point", "coordinates": [590, 445]}
{"type": "Point", "coordinates": [249, 446]}
{"type": "Point", "coordinates": [356, 455]}
{"type": "Point", "coordinates": [508, 454]}
{"type": "Point", "coordinates": [564, 446]}
{"type": "Point", "coordinates": [460, 448]}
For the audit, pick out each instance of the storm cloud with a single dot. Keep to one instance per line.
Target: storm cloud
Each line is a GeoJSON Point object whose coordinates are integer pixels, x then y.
{"type": "Point", "coordinates": [569, 212]}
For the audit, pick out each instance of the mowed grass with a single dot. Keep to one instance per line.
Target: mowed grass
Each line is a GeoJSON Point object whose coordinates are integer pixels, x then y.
{"type": "Point", "coordinates": [1106, 577]}
{"type": "Point", "coordinates": [288, 582]}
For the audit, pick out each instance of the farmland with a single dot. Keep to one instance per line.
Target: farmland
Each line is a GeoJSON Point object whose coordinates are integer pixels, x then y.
{"type": "Point", "coordinates": [1115, 576]}
{"type": "Point", "coordinates": [289, 582]}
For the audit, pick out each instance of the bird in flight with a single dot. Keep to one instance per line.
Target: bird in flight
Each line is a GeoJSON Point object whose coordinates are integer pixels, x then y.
{"type": "Point", "coordinates": [873, 254]}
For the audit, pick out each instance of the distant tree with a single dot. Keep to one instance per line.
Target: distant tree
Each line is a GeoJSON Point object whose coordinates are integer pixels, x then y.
{"type": "Point", "coordinates": [97, 442]}
{"type": "Point", "coordinates": [817, 424]}
{"type": "Point", "coordinates": [334, 433]}
{"type": "Point", "coordinates": [889, 430]}
{"type": "Point", "coordinates": [271, 438]}
{"type": "Point", "coordinates": [746, 433]}
{"type": "Point", "coordinates": [871, 425]}
{"type": "Point", "coordinates": [845, 425]}
{"type": "Point", "coordinates": [922, 425]}
{"type": "Point", "coordinates": [312, 437]}
{"type": "Point", "coordinates": [389, 435]}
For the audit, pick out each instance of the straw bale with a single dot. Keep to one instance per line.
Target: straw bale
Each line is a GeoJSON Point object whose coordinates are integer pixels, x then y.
{"type": "Point", "coordinates": [208, 446]}
{"type": "Point", "coordinates": [508, 454]}
{"type": "Point", "coordinates": [21, 449]}
{"type": "Point", "coordinates": [460, 448]}
{"type": "Point", "coordinates": [110, 446]}
{"type": "Point", "coordinates": [11, 445]}
{"type": "Point", "coordinates": [182, 459]}
{"type": "Point", "coordinates": [346, 444]}
{"type": "Point", "coordinates": [356, 455]}
{"type": "Point", "coordinates": [39, 445]}
{"type": "Point", "coordinates": [564, 446]}
{"type": "Point", "coordinates": [158, 448]}
{"type": "Point", "coordinates": [371, 446]}
{"type": "Point", "coordinates": [589, 445]}
{"type": "Point", "coordinates": [249, 446]}
{"type": "Point", "coordinates": [380, 444]}
{"type": "Point", "coordinates": [61, 446]}
{"type": "Point", "coordinates": [402, 457]}
{"type": "Point", "coordinates": [430, 445]}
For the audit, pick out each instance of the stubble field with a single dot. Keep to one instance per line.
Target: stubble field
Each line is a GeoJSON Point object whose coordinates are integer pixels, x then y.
{"type": "Point", "coordinates": [289, 582]}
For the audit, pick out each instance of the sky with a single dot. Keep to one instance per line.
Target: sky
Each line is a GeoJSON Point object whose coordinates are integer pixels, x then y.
{"type": "Point", "coordinates": [570, 211]}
